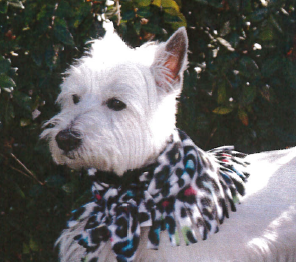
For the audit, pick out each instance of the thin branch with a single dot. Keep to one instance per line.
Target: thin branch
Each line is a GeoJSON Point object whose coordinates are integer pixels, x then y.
{"type": "Point", "coordinates": [211, 136]}
{"type": "Point", "coordinates": [19, 171]}
{"type": "Point", "coordinates": [24, 167]}
{"type": "Point", "coordinates": [224, 75]}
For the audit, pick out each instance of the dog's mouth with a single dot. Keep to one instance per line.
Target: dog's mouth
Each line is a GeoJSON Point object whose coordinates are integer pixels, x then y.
{"type": "Point", "coordinates": [70, 154]}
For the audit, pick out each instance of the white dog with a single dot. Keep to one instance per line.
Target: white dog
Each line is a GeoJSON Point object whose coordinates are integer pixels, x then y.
{"type": "Point", "coordinates": [153, 188]}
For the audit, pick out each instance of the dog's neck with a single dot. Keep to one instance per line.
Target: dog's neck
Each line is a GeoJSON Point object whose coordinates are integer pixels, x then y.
{"type": "Point", "coordinates": [129, 177]}
{"type": "Point", "coordinates": [116, 178]}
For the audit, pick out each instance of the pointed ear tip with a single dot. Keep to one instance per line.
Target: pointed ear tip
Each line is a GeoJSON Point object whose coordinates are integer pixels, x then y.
{"type": "Point", "coordinates": [182, 30]}
{"type": "Point", "coordinates": [182, 33]}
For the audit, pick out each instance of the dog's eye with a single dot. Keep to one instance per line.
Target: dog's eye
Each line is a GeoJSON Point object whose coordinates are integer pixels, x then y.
{"type": "Point", "coordinates": [76, 99]}
{"type": "Point", "coordinates": [115, 104]}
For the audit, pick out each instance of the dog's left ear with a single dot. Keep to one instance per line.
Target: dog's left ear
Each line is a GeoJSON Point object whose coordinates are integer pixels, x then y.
{"type": "Point", "coordinates": [171, 61]}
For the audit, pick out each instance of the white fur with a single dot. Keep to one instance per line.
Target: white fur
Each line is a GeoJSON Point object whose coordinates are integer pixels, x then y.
{"type": "Point", "coordinates": [262, 229]}
{"type": "Point", "coordinates": [115, 141]}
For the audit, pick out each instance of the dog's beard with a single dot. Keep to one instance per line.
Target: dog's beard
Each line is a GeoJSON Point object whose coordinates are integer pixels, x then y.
{"type": "Point", "coordinates": [79, 158]}
{"type": "Point", "coordinates": [104, 152]}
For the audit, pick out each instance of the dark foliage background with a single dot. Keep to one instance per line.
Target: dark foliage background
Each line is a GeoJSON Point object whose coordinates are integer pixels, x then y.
{"type": "Point", "coordinates": [240, 88]}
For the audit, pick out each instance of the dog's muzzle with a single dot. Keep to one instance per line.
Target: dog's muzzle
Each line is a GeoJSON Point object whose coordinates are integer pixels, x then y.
{"type": "Point", "coordinates": [68, 140]}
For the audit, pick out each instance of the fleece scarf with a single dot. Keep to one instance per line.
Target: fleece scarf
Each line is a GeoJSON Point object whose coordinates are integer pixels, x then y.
{"type": "Point", "coordinates": [186, 189]}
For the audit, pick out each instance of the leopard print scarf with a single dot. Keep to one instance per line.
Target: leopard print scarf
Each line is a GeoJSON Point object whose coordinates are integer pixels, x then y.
{"type": "Point", "coordinates": [186, 188]}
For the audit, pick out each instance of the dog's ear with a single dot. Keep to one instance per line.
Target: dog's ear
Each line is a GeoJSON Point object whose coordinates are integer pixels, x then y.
{"type": "Point", "coordinates": [171, 61]}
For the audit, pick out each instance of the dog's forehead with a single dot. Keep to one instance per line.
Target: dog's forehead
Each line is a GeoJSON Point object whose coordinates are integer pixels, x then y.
{"type": "Point", "coordinates": [88, 79]}
{"type": "Point", "coordinates": [126, 75]}
{"type": "Point", "coordinates": [110, 66]}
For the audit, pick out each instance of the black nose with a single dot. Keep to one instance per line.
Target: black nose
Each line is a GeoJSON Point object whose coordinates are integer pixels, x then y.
{"type": "Point", "coordinates": [68, 140]}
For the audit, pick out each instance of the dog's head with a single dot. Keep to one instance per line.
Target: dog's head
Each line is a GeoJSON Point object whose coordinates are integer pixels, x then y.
{"type": "Point", "coordinates": [118, 104]}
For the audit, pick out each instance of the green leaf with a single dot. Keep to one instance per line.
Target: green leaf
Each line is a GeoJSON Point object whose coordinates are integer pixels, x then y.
{"type": "Point", "coordinates": [128, 15]}
{"type": "Point", "coordinates": [202, 1]}
{"type": "Point", "coordinates": [69, 187]}
{"type": "Point", "coordinates": [225, 43]}
{"type": "Point", "coordinates": [143, 2]}
{"type": "Point", "coordinates": [43, 13]}
{"type": "Point", "coordinates": [222, 110]}
{"type": "Point", "coordinates": [25, 122]}
{"type": "Point", "coordinates": [271, 65]}
{"type": "Point", "coordinates": [276, 24]}
{"type": "Point", "coordinates": [234, 39]}
{"type": "Point", "coordinates": [9, 113]}
{"type": "Point", "coordinates": [156, 2]}
{"type": "Point", "coordinates": [248, 95]}
{"type": "Point", "coordinates": [152, 28]}
{"type": "Point", "coordinates": [19, 191]}
{"type": "Point", "coordinates": [174, 17]}
{"type": "Point", "coordinates": [36, 191]}
{"type": "Point", "coordinates": [169, 18]}
{"type": "Point", "coordinates": [8, 89]}
{"type": "Point", "coordinates": [4, 65]}
{"type": "Point", "coordinates": [84, 198]}
{"type": "Point", "coordinates": [26, 248]}
{"type": "Point", "coordinates": [289, 73]}
{"type": "Point", "coordinates": [243, 116]}
{"type": "Point", "coordinates": [3, 7]}
{"type": "Point", "coordinates": [33, 245]}
{"type": "Point", "coordinates": [6, 81]}
{"type": "Point", "coordinates": [246, 6]}
{"type": "Point", "coordinates": [267, 33]}
{"type": "Point", "coordinates": [222, 95]}
{"type": "Point", "coordinates": [37, 58]}
{"type": "Point", "coordinates": [137, 27]}
{"type": "Point", "coordinates": [171, 4]}
{"type": "Point", "coordinates": [267, 92]}
{"type": "Point", "coordinates": [258, 15]}
{"type": "Point", "coordinates": [55, 181]}
{"type": "Point", "coordinates": [23, 101]}
{"type": "Point", "coordinates": [235, 4]}
{"type": "Point", "coordinates": [64, 10]}
{"type": "Point", "coordinates": [214, 3]}
{"type": "Point", "coordinates": [226, 29]}
{"type": "Point", "coordinates": [144, 12]}
{"type": "Point", "coordinates": [62, 32]}
{"type": "Point", "coordinates": [49, 56]}
{"type": "Point", "coordinates": [16, 3]}
{"type": "Point", "coordinates": [248, 67]}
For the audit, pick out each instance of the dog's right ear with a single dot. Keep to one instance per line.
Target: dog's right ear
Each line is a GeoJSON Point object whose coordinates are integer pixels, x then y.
{"type": "Point", "coordinates": [170, 61]}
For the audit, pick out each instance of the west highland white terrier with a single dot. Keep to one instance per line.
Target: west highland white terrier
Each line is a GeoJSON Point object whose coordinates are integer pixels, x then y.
{"type": "Point", "coordinates": [153, 188]}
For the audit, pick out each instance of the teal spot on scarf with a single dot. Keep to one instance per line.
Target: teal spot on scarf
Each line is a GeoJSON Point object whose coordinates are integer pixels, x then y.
{"type": "Point", "coordinates": [130, 245]}
{"type": "Point", "coordinates": [190, 164]}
